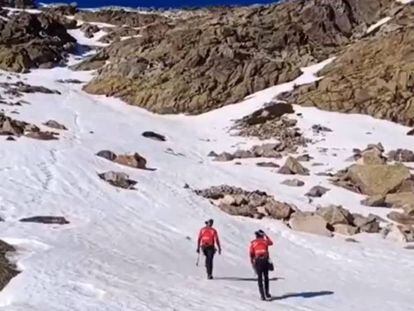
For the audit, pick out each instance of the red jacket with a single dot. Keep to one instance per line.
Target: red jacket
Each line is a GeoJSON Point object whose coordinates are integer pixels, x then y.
{"type": "Point", "coordinates": [260, 247]}
{"type": "Point", "coordinates": [208, 236]}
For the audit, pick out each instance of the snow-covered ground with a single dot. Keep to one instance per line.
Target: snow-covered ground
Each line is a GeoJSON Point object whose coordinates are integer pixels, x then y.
{"type": "Point", "coordinates": [135, 250]}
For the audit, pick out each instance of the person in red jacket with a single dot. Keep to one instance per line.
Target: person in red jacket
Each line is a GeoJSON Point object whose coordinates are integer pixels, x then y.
{"type": "Point", "coordinates": [207, 240]}
{"type": "Point", "coordinates": [259, 257]}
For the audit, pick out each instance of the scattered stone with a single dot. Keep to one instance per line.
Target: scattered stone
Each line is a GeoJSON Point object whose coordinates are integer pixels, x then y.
{"type": "Point", "coordinates": [267, 164]}
{"type": "Point", "coordinates": [293, 183]}
{"type": "Point", "coordinates": [351, 240]}
{"type": "Point", "coordinates": [10, 138]}
{"type": "Point", "coordinates": [345, 229]}
{"type": "Point", "coordinates": [154, 136]}
{"type": "Point", "coordinates": [398, 233]}
{"type": "Point", "coordinates": [410, 132]}
{"type": "Point", "coordinates": [212, 154]}
{"type": "Point", "coordinates": [317, 192]}
{"type": "Point", "coordinates": [42, 135]}
{"type": "Point", "coordinates": [401, 218]}
{"type": "Point", "coordinates": [304, 158]}
{"type": "Point", "coordinates": [271, 112]}
{"type": "Point", "coordinates": [135, 160]}
{"type": "Point", "coordinates": [403, 200]}
{"type": "Point", "coordinates": [7, 269]}
{"type": "Point", "coordinates": [293, 167]}
{"type": "Point", "coordinates": [374, 201]}
{"type": "Point", "coordinates": [55, 125]}
{"type": "Point", "coordinates": [89, 30]}
{"type": "Point", "coordinates": [70, 81]}
{"type": "Point", "coordinates": [224, 157]}
{"type": "Point", "coordinates": [107, 154]}
{"type": "Point", "coordinates": [401, 155]}
{"type": "Point", "coordinates": [255, 204]}
{"type": "Point", "coordinates": [368, 224]}
{"type": "Point", "coordinates": [317, 128]}
{"type": "Point", "coordinates": [310, 223]}
{"type": "Point", "coordinates": [118, 179]}
{"type": "Point", "coordinates": [46, 220]}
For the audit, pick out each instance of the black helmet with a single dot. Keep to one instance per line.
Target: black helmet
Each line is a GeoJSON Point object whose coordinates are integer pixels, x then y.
{"type": "Point", "coordinates": [259, 234]}
{"type": "Point", "coordinates": [209, 222]}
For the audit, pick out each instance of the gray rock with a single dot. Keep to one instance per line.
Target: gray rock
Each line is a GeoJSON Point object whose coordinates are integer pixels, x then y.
{"type": "Point", "coordinates": [267, 164]}
{"type": "Point", "coordinates": [312, 223]}
{"type": "Point", "coordinates": [317, 191]}
{"type": "Point", "coordinates": [107, 154]}
{"type": "Point", "coordinates": [293, 183]}
{"type": "Point", "coordinates": [55, 125]}
{"type": "Point", "coordinates": [335, 215]}
{"type": "Point", "coordinates": [52, 220]}
{"type": "Point", "coordinates": [293, 167]}
{"type": "Point", "coordinates": [118, 179]}
{"type": "Point", "coordinates": [154, 136]}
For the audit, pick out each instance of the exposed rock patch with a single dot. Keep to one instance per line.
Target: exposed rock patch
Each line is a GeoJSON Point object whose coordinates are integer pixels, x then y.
{"type": "Point", "coordinates": [55, 125]}
{"type": "Point", "coordinates": [118, 179]}
{"type": "Point", "coordinates": [293, 167]}
{"type": "Point", "coordinates": [154, 136]}
{"type": "Point", "coordinates": [132, 160]}
{"type": "Point", "coordinates": [317, 192]}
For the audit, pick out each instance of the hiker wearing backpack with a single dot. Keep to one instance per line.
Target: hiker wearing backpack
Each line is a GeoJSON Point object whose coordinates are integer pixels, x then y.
{"type": "Point", "coordinates": [259, 257]}
{"type": "Point", "coordinates": [207, 241]}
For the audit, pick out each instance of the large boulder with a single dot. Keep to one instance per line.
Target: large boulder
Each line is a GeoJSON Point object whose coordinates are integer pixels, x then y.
{"type": "Point", "coordinates": [400, 200]}
{"type": "Point", "coordinates": [335, 215]}
{"type": "Point", "coordinates": [377, 179]}
{"type": "Point", "coordinates": [401, 218]}
{"type": "Point", "coordinates": [310, 223]}
{"type": "Point", "coordinates": [293, 167]}
{"type": "Point", "coordinates": [135, 160]}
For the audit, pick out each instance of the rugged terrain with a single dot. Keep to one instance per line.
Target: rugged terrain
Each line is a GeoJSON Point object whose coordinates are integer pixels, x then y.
{"type": "Point", "coordinates": [101, 201]}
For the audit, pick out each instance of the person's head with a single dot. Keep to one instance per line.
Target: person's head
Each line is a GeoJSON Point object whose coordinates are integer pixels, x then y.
{"type": "Point", "coordinates": [209, 223]}
{"type": "Point", "coordinates": [259, 234]}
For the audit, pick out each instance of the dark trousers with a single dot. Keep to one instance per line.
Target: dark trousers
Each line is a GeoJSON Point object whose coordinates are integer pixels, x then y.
{"type": "Point", "coordinates": [261, 265]}
{"type": "Point", "coordinates": [209, 252]}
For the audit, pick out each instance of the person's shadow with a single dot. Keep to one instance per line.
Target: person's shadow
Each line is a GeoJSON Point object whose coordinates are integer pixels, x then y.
{"type": "Point", "coordinates": [303, 295]}
{"type": "Point", "coordinates": [239, 279]}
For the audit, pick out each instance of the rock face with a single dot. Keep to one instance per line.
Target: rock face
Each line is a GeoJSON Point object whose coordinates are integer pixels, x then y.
{"type": "Point", "coordinates": [117, 179]}
{"type": "Point", "coordinates": [236, 201]}
{"type": "Point", "coordinates": [32, 41]}
{"type": "Point", "coordinates": [373, 179]}
{"type": "Point", "coordinates": [293, 167]}
{"type": "Point", "coordinates": [7, 270]}
{"type": "Point", "coordinates": [372, 76]}
{"type": "Point", "coordinates": [220, 52]}
{"type": "Point", "coordinates": [310, 223]}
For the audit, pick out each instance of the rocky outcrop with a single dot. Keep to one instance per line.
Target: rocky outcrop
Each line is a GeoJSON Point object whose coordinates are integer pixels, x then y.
{"type": "Point", "coordinates": [239, 202]}
{"type": "Point", "coordinates": [89, 30]}
{"type": "Point", "coordinates": [7, 269]}
{"type": "Point", "coordinates": [401, 155]}
{"type": "Point", "coordinates": [19, 87]}
{"type": "Point", "coordinates": [33, 41]}
{"type": "Point", "coordinates": [10, 127]}
{"type": "Point", "coordinates": [118, 179]}
{"type": "Point", "coordinates": [373, 76]}
{"type": "Point", "coordinates": [221, 53]}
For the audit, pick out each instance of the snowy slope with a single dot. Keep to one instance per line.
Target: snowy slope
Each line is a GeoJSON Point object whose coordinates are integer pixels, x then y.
{"type": "Point", "coordinates": [135, 250]}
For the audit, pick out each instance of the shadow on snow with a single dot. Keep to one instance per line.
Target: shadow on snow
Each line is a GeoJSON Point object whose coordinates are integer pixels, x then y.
{"type": "Point", "coordinates": [244, 279]}
{"type": "Point", "coordinates": [303, 295]}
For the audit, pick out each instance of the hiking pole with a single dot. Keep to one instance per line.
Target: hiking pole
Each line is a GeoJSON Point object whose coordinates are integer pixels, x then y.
{"type": "Point", "coordinates": [198, 259]}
